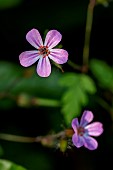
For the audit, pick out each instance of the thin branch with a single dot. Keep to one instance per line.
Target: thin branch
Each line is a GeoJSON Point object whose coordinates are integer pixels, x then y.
{"type": "Point", "coordinates": [15, 138]}
{"type": "Point", "coordinates": [47, 140]}
{"type": "Point", "coordinates": [74, 66]}
{"type": "Point", "coordinates": [89, 21]}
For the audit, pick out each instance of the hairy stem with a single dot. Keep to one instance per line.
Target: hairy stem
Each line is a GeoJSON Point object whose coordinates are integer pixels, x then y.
{"type": "Point", "coordinates": [47, 140]}
{"type": "Point", "coordinates": [16, 138]}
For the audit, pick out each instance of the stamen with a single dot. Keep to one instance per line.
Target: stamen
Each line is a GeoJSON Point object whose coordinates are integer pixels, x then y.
{"type": "Point", "coordinates": [44, 51]}
{"type": "Point", "coordinates": [81, 131]}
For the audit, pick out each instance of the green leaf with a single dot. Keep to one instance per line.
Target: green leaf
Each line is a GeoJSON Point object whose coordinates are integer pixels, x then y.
{"type": "Point", "coordinates": [103, 72]}
{"type": "Point", "coordinates": [1, 151]}
{"type": "Point", "coordinates": [9, 74]}
{"type": "Point", "coordinates": [105, 3]}
{"type": "Point", "coordinates": [9, 3]}
{"type": "Point", "coordinates": [39, 86]}
{"type": "Point", "coordinates": [7, 165]}
{"type": "Point", "coordinates": [87, 84]}
{"type": "Point", "coordinates": [6, 103]}
{"type": "Point", "coordinates": [73, 100]}
{"type": "Point", "coordinates": [69, 79]}
{"type": "Point", "coordinates": [16, 80]}
{"type": "Point", "coordinates": [78, 86]}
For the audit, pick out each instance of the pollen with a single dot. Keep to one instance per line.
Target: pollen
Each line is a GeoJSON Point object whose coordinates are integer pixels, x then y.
{"type": "Point", "coordinates": [81, 131]}
{"type": "Point", "coordinates": [44, 51]}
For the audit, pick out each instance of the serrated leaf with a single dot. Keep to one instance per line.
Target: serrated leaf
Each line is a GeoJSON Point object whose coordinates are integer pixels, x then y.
{"type": "Point", "coordinates": [68, 113]}
{"type": "Point", "coordinates": [81, 96]}
{"type": "Point", "coordinates": [73, 100]}
{"type": "Point", "coordinates": [69, 79]}
{"type": "Point", "coordinates": [103, 72]}
{"type": "Point", "coordinates": [87, 84]}
{"type": "Point", "coordinates": [76, 94]}
{"type": "Point", "coordinates": [8, 165]}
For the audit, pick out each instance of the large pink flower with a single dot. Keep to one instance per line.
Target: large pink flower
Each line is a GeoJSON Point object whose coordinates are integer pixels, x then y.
{"type": "Point", "coordinates": [43, 52]}
{"type": "Point", "coordinates": [83, 131]}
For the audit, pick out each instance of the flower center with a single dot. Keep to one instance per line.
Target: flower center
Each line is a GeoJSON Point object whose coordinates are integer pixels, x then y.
{"type": "Point", "coordinates": [44, 51]}
{"type": "Point", "coordinates": [81, 131]}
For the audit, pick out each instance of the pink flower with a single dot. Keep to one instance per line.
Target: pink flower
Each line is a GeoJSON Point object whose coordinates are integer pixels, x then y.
{"type": "Point", "coordinates": [83, 131]}
{"type": "Point", "coordinates": [43, 52]}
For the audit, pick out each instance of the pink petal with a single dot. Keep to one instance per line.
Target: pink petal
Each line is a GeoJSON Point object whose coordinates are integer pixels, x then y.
{"type": "Point", "coordinates": [77, 140]}
{"type": "Point", "coordinates": [86, 118]}
{"type": "Point", "coordinates": [90, 143]}
{"type": "Point", "coordinates": [95, 129]}
{"type": "Point", "coordinates": [75, 124]}
{"type": "Point", "coordinates": [28, 58]}
{"type": "Point", "coordinates": [53, 37]}
{"type": "Point", "coordinates": [34, 38]}
{"type": "Point", "coordinates": [44, 67]}
{"type": "Point", "coordinates": [59, 56]}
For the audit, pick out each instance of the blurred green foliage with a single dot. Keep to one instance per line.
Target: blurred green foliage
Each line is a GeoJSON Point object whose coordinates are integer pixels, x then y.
{"type": "Point", "coordinates": [9, 3]}
{"type": "Point", "coordinates": [105, 3]}
{"type": "Point", "coordinates": [16, 81]}
{"type": "Point", "coordinates": [103, 73]}
{"type": "Point", "coordinates": [70, 91]}
{"type": "Point", "coordinates": [7, 165]}
{"type": "Point", "coordinates": [19, 86]}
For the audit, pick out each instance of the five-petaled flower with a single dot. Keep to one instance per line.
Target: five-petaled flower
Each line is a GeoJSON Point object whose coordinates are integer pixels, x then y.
{"type": "Point", "coordinates": [43, 52]}
{"type": "Point", "coordinates": [82, 131]}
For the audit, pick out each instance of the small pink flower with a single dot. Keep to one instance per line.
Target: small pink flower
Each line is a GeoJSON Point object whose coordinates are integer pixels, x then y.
{"type": "Point", "coordinates": [83, 131]}
{"type": "Point", "coordinates": [43, 52]}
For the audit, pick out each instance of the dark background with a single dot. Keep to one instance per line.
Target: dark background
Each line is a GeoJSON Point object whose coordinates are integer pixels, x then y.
{"type": "Point", "coordinates": [69, 18]}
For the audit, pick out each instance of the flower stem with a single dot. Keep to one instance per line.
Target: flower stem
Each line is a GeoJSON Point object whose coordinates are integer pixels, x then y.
{"type": "Point", "coordinates": [82, 69]}
{"type": "Point", "coordinates": [86, 47]}
{"type": "Point", "coordinates": [15, 138]}
{"type": "Point", "coordinates": [89, 21]}
{"type": "Point", "coordinates": [105, 105]}
{"type": "Point", "coordinates": [25, 100]}
{"type": "Point", "coordinates": [47, 140]}
{"type": "Point", "coordinates": [74, 66]}
{"type": "Point", "coordinates": [46, 102]}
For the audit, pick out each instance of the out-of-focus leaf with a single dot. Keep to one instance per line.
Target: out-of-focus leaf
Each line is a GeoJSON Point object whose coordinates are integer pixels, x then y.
{"type": "Point", "coordinates": [72, 102]}
{"type": "Point", "coordinates": [6, 103]}
{"type": "Point", "coordinates": [38, 86]}
{"type": "Point", "coordinates": [103, 72]}
{"type": "Point", "coordinates": [9, 3]}
{"type": "Point", "coordinates": [87, 83]}
{"type": "Point", "coordinates": [9, 74]}
{"type": "Point", "coordinates": [70, 17]}
{"type": "Point", "coordinates": [16, 80]}
{"type": "Point", "coordinates": [69, 79]}
{"type": "Point", "coordinates": [32, 158]}
{"type": "Point", "coordinates": [105, 3]}
{"type": "Point", "coordinates": [1, 151]}
{"type": "Point", "coordinates": [76, 94]}
{"type": "Point", "coordinates": [7, 165]}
